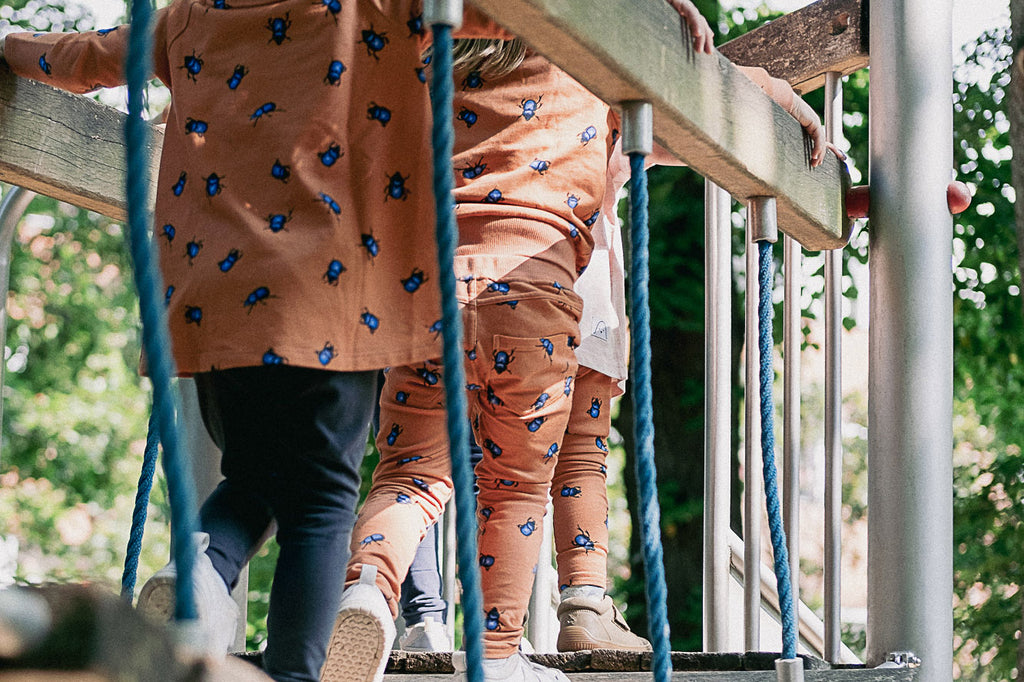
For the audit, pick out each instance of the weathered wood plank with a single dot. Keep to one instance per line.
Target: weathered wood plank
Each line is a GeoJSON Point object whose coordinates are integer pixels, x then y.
{"type": "Point", "coordinates": [705, 111]}
{"type": "Point", "coordinates": [65, 146]}
{"type": "Point", "coordinates": [800, 47]}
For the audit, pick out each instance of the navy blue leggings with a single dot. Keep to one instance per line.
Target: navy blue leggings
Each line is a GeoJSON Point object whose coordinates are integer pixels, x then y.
{"type": "Point", "coordinates": [292, 440]}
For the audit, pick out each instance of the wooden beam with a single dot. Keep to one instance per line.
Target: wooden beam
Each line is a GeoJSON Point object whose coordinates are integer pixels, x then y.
{"type": "Point", "coordinates": [802, 46]}
{"type": "Point", "coordinates": [705, 111]}
{"type": "Point", "coordinates": [64, 146]}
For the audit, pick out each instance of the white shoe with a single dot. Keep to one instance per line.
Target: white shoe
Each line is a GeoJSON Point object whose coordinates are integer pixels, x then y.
{"type": "Point", "coordinates": [217, 611]}
{"type": "Point", "coordinates": [515, 668]}
{"type": "Point", "coordinates": [363, 633]}
{"type": "Point", "coordinates": [427, 635]}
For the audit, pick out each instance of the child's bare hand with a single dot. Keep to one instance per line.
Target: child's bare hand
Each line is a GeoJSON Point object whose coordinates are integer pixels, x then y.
{"type": "Point", "coordinates": [700, 29]}
{"type": "Point", "coordinates": [809, 121]}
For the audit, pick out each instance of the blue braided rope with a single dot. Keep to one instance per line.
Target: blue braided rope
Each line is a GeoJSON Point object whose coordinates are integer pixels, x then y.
{"type": "Point", "coordinates": [441, 97]}
{"type": "Point", "coordinates": [155, 336]}
{"type": "Point", "coordinates": [643, 423]}
{"type": "Point", "coordinates": [771, 488]}
{"type": "Point", "coordinates": [131, 559]}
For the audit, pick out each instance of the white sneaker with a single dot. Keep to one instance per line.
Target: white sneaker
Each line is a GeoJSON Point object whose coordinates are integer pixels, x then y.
{"type": "Point", "coordinates": [217, 611]}
{"type": "Point", "coordinates": [515, 668]}
{"type": "Point", "coordinates": [363, 633]}
{"type": "Point", "coordinates": [427, 635]}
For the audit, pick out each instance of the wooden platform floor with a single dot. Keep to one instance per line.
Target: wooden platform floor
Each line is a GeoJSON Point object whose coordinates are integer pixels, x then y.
{"type": "Point", "coordinates": [95, 637]}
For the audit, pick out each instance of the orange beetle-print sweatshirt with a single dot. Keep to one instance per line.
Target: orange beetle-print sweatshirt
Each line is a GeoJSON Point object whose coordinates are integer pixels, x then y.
{"type": "Point", "coordinates": [294, 214]}
{"type": "Point", "coordinates": [531, 156]}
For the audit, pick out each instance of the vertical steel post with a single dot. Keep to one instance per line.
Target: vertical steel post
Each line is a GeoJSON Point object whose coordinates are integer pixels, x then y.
{"type": "Point", "coordinates": [205, 456]}
{"type": "Point", "coordinates": [753, 487]}
{"type": "Point", "coordinates": [833, 402]}
{"type": "Point", "coordinates": [792, 336]}
{"type": "Point", "coordinates": [910, 526]}
{"type": "Point", "coordinates": [717, 412]}
{"type": "Point", "coordinates": [11, 211]}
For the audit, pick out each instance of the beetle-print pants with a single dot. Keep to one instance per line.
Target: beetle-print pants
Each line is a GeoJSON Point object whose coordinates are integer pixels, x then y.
{"type": "Point", "coordinates": [520, 368]}
{"type": "Point", "coordinates": [578, 491]}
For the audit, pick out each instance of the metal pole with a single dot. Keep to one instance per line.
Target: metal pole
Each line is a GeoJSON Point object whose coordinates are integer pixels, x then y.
{"type": "Point", "coordinates": [910, 380]}
{"type": "Point", "coordinates": [450, 571]}
{"type": "Point", "coordinates": [205, 456]}
{"type": "Point", "coordinates": [11, 211]}
{"type": "Point", "coordinates": [753, 487]}
{"type": "Point", "coordinates": [717, 413]}
{"type": "Point", "coordinates": [792, 336]}
{"type": "Point", "coordinates": [833, 402]}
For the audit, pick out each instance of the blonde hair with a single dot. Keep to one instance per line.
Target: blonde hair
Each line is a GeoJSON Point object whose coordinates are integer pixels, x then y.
{"type": "Point", "coordinates": [491, 58]}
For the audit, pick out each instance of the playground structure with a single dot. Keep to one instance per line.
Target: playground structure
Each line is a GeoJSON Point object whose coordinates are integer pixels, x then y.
{"type": "Point", "coordinates": [706, 113]}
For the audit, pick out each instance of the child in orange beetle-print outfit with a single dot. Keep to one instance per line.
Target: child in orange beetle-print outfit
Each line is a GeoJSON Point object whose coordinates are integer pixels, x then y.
{"type": "Point", "coordinates": [532, 149]}
{"type": "Point", "coordinates": [295, 237]}
{"type": "Point", "coordinates": [581, 537]}
{"type": "Point", "coordinates": [531, 158]}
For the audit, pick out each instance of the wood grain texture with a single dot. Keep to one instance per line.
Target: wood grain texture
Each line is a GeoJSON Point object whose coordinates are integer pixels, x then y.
{"type": "Point", "coordinates": [802, 46]}
{"type": "Point", "coordinates": [705, 111]}
{"type": "Point", "coordinates": [65, 146]}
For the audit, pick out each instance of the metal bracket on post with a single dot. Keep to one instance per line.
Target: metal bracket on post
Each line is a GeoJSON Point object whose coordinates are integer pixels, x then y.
{"type": "Point", "coordinates": [448, 12]}
{"type": "Point", "coordinates": [901, 659]}
{"type": "Point", "coordinates": [637, 127]}
{"type": "Point", "coordinates": [789, 669]}
{"type": "Point", "coordinates": [763, 219]}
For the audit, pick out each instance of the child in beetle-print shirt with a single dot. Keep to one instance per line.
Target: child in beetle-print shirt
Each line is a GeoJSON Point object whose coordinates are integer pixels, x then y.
{"type": "Point", "coordinates": [294, 228]}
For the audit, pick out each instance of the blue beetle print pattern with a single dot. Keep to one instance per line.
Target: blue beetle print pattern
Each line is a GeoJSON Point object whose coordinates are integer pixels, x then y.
{"type": "Point", "coordinates": [371, 321]}
{"type": "Point", "coordinates": [192, 65]}
{"type": "Point", "coordinates": [396, 188]}
{"type": "Point", "coordinates": [325, 354]}
{"type": "Point", "coordinates": [259, 295]}
{"type": "Point", "coordinates": [530, 107]}
{"type": "Point", "coordinates": [332, 8]}
{"type": "Point", "coordinates": [278, 27]}
{"type": "Point", "coordinates": [472, 81]}
{"type": "Point", "coordinates": [330, 156]}
{"type": "Point", "coordinates": [375, 42]}
{"type": "Point", "coordinates": [414, 281]}
{"type": "Point", "coordinates": [197, 128]}
{"type": "Point", "coordinates": [467, 116]}
{"type": "Point", "coordinates": [334, 270]}
{"type": "Point", "coordinates": [382, 115]}
{"type": "Point", "coordinates": [179, 186]}
{"type": "Point", "coordinates": [334, 71]}
{"type": "Point", "coordinates": [272, 358]}
{"type": "Point", "coordinates": [473, 170]}
{"type": "Point", "coordinates": [229, 260]}
{"type": "Point", "coordinates": [214, 186]}
{"type": "Point", "coordinates": [236, 76]}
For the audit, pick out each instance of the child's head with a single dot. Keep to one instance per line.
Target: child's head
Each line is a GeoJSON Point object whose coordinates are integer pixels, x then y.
{"type": "Point", "coordinates": [491, 58]}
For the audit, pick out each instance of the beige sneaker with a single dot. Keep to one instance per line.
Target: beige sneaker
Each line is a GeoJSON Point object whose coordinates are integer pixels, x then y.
{"type": "Point", "coordinates": [586, 624]}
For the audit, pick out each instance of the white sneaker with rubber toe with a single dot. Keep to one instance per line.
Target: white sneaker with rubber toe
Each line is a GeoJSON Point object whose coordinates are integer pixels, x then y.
{"type": "Point", "coordinates": [515, 668]}
{"type": "Point", "coordinates": [426, 636]}
{"type": "Point", "coordinates": [363, 633]}
{"type": "Point", "coordinates": [217, 611]}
